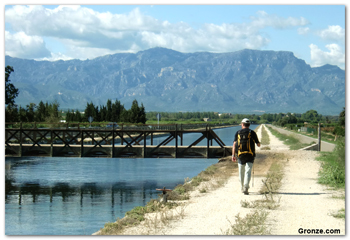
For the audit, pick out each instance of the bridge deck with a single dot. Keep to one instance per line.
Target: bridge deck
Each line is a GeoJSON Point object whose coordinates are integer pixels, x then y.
{"type": "Point", "coordinates": [113, 143]}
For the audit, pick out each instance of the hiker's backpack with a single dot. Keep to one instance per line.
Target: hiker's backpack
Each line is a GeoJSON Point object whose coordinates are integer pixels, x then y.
{"type": "Point", "coordinates": [244, 142]}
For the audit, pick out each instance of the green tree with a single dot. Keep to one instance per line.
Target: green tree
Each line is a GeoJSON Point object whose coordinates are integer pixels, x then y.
{"type": "Point", "coordinates": [77, 116]}
{"type": "Point", "coordinates": [31, 112]}
{"type": "Point", "coordinates": [340, 128]}
{"type": "Point", "coordinates": [134, 112]}
{"type": "Point", "coordinates": [90, 111]}
{"type": "Point", "coordinates": [11, 113]}
{"type": "Point", "coordinates": [109, 111]}
{"type": "Point", "coordinates": [342, 118]}
{"type": "Point", "coordinates": [22, 114]}
{"type": "Point", "coordinates": [41, 112]}
{"type": "Point", "coordinates": [103, 113]}
{"type": "Point", "coordinates": [311, 116]}
{"type": "Point", "coordinates": [118, 112]}
{"type": "Point", "coordinates": [69, 116]}
{"type": "Point", "coordinates": [142, 115]}
{"type": "Point", "coordinates": [53, 113]}
{"type": "Point", "coordinates": [10, 91]}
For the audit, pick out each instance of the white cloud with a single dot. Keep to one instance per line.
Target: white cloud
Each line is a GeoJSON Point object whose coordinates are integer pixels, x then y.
{"type": "Point", "coordinates": [335, 55]}
{"type": "Point", "coordinates": [265, 20]}
{"type": "Point", "coordinates": [303, 30]}
{"type": "Point", "coordinates": [87, 33]}
{"type": "Point", "coordinates": [332, 33]}
{"type": "Point", "coordinates": [23, 46]}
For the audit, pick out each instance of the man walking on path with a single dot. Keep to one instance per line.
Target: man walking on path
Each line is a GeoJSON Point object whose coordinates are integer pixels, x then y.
{"type": "Point", "coordinates": [244, 146]}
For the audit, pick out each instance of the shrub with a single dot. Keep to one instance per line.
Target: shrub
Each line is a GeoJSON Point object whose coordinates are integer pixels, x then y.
{"type": "Point", "coordinates": [333, 166]}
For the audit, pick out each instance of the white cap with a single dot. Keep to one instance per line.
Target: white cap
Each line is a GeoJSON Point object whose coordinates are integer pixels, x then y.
{"type": "Point", "coordinates": [245, 120]}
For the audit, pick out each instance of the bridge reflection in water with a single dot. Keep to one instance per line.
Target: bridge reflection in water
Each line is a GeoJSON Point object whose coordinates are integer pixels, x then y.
{"type": "Point", "coordinates": [127, 141]}
{"type": "Point", "coordinates": [120, 192]}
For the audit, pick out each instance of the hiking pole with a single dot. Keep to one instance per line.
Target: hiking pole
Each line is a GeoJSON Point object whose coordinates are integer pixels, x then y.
{"type": "Point", "coordinates": [253, 175]}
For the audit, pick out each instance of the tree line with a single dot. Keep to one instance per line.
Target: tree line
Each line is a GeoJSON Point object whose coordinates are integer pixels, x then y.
{"type": "Point", "coordinates": [281, 119]}
{"type": "Point", "coordinates": [111, 112]}
{"type": "Point", "coordinates": [48, 112]}
{"type": "Point", "coordinates": [181, 116]}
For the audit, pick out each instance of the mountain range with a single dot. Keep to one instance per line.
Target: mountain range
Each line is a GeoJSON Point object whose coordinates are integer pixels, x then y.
{"type": "Point", "coordinates": [246, 81]}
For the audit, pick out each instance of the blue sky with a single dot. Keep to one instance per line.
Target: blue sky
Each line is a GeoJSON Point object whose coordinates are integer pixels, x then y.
{"type": "Point", "coordinates": [314, 33]}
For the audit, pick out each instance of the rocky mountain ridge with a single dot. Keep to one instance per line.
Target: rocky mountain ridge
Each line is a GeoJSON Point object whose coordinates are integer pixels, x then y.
{"type": "Point", "coordinates": [166, 80]}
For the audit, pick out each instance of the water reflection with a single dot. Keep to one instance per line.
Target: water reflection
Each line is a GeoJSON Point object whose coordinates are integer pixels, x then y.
{"type": "Point", "coordinates": [119, 191]}
{"type": "Point", "coordinates": [77, 196]}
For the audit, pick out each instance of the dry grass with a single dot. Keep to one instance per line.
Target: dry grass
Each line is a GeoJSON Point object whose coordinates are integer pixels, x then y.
{"type": "Point", "coordinates": [254, 222]}
{"type": "Point", "coordinates": [215, 176]}
{"type": "Point", "coordinates": [156, 222]}
{"type": "Point", "coordinates": [136, 216]}
{"type": "Point", "coordinates": [273, 179]}
{"type": "Point", "coordinates": [340, 214]}
{"type": "Point", "coordinates": [251, 224]}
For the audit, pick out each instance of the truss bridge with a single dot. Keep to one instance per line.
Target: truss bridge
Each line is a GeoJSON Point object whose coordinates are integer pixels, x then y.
{"type": "Point", "coordinates": [125, 141]}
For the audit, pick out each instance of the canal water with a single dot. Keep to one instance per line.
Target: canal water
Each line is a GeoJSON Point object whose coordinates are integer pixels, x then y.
{"type": "Point", "coordinates": [77, 196]}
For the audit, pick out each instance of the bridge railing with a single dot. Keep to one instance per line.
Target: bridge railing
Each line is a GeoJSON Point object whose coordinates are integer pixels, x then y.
{"type": "Point", "coordinates": [106, 125]}
{"type": "Point", "coordinates": [98, 140]}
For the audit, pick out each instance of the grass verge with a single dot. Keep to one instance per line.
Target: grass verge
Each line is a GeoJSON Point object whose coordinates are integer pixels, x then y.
{"type": "Point", "coordinates": [265, 139]}
{"type": "Point", "coordinates": [289, 140]}
{"type": "Point", "coordinates": [332, 171]}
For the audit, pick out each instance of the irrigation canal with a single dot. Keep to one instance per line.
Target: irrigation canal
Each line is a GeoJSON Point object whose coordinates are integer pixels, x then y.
{"type": "Point", "coordinates": [78, 195]}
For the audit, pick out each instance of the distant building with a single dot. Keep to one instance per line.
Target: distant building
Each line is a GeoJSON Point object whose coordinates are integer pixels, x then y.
{"type": "Point", "coordinates": [221, 114]}
{"type": "Point", "coordinates": [206, 119]}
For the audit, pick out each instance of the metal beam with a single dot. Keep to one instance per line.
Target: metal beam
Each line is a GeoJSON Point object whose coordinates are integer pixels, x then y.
{"type": "Point", "coordinates": [105, 139]}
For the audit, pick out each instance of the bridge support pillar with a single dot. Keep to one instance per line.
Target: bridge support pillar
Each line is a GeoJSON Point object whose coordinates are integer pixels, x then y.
{"type": "Point", "coordinates": [20, 141]}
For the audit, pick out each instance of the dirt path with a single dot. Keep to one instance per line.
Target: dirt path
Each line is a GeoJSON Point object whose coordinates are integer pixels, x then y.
{"type": "Point", "coordinates": [303, 203]}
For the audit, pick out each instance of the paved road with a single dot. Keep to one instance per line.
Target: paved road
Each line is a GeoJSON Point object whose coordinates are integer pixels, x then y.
{"type": "Point", "coordinates": [325, 146]}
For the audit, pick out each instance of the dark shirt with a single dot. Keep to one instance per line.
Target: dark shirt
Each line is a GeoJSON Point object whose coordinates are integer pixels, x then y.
{"type": "Point", "coordinates": [243, 158]}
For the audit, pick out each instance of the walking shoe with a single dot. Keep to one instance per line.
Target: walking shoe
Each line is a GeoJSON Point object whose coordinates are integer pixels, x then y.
{"type": "Point", "coordinates": [245, 191]}
{"type": "Point", "coordinates": [242, 189]}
